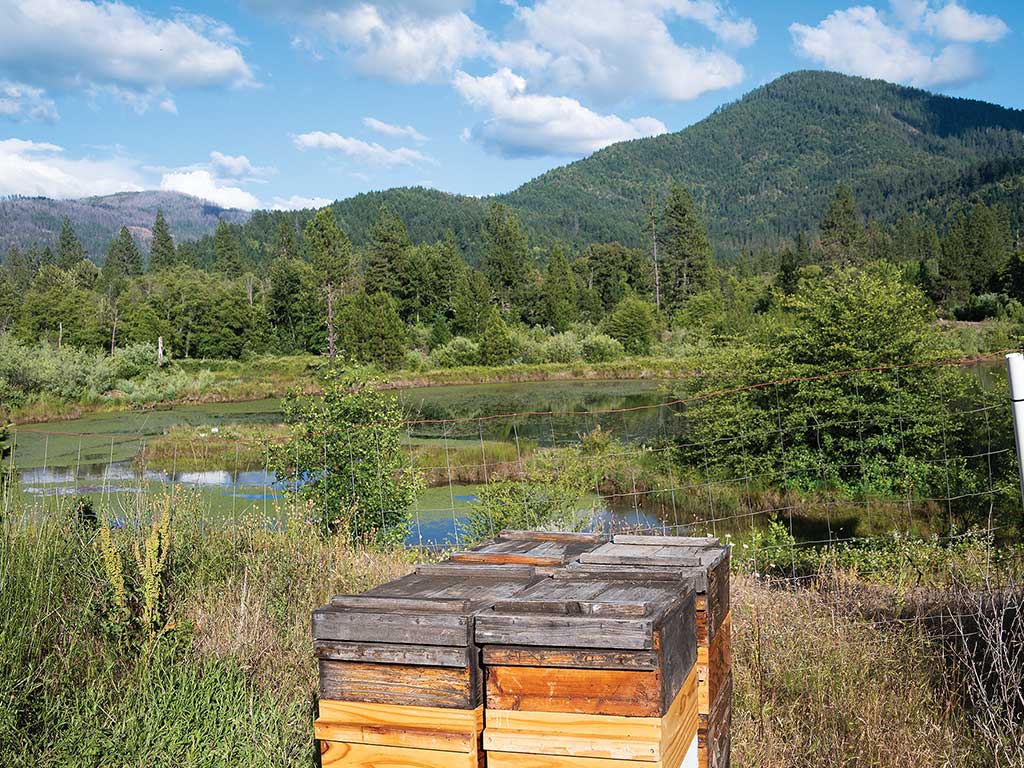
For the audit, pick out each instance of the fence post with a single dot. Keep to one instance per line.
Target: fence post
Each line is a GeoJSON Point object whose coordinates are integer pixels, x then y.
{"type": "Point", "coordinates": [1015, 374]}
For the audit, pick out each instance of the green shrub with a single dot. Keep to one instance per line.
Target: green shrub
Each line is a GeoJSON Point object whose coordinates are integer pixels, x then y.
{"type": "Point", "coordinates": [634, 323]}
{"type": "Point", "coordinates": [599, 348]}
{"type": "Point", "coordinates": [562, 348]}
{"type": "Point", "coordinates": [458, 352]}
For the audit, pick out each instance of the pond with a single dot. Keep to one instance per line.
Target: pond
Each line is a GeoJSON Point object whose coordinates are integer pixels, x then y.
{"type": "Point", "coordinates": [98, 456]}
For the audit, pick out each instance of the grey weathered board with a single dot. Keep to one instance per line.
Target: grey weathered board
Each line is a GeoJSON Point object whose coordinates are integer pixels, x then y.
{"type": "Point", "coordinates": [588, 622]}
{"type": "Point", "coordinates": [702, 563]}
{"type": "Point", "coordinates": [538, 548]}
{"type": "Point", "coordinates": [410, 641]}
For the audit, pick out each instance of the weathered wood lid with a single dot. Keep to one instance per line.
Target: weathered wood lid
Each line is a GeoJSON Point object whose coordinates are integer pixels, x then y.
{"type": "Point", "coordinates": [432, 606]}
{"type": "Point", "coordinates": [585, 612]}
{"type": "Point", "coordinates": [540, 548]}
{"type": "Point", "coordinates": [686, 558]}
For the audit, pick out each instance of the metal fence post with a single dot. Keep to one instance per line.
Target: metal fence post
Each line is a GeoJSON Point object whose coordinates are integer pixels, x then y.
{"type": "Point", "coordinates": [1015, 374]}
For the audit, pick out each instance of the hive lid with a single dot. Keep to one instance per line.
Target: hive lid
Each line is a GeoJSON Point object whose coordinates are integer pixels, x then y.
{"type": "Point", "coordinates": [657, 551]}
{"type": "Point", "coordinates": [541, 548]}
{"type": "Point", "coordinates": [584, 612]}
{"type": "Point", "coordinates": [433, 606]}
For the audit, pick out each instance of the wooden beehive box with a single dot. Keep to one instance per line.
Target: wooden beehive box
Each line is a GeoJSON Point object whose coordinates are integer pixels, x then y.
{"type": "Point", "coordinates": [400, 677]}
{"type": "Point", "coordinates": [703, 564]}
{"type": "Point", "coordinates": [542, 549]}
{"type": "Point", "coordinates": [582, 670]}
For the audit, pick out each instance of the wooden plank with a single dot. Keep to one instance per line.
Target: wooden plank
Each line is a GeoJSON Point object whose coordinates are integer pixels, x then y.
{"type": "Point", "coordinates": [572, 607]}
{"type": "Point", "coordinates": [563, 631]}
{"type": "Point", "coordinates": [399, 684]}
{"type": "Point", "coordinates": [585, 538]}
{"type": "Point", "coordinates": [496, 759]}
{"type": "Point", "coordinates": [630, 554]}
{"type": "Point", "coordinates": [681, 720]}
{"type": "Point", "coordinates": [676, 639]}
{"type": "Point", "coordinates": [713, 666]}
{"type": "Point", "coordinates": [581, 691]}
{"type": "Point", "coordinates": [509, 558]}
{"type": "Point", "coordinates": [401, 604]}
{"type": "Point", "coordinates": [334, 754]}
{"type": "Point", "coordinates": [668, 541]}
{"type": "Point", "coordinates": [714, 731]}
{"type": "Point", "coordinates": [387, 653]}
{"type": "Point", "coordinates": [409, 628]}
{"type": "Point", "coordinates": [695, 576]}
{"type": "Point", "coordinates": [574, 658]}
{"type": "Point", "coordinates": [713, 606]}
{"type": "Point", "coordinates": [484, 570]}
{"type": "Point", "coordinates": [403, 726]}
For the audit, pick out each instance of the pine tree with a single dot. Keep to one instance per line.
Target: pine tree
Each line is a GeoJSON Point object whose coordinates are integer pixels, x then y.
{"type": "Point", "coordinates": [472, 297]}
{"type": "Point", "coordinates": [69, 247]}
{"type": "Point", "coordinates": [560, 292]}
{"type": "Point", "coordinates": [330, 252]}
{"type": "Point", "coordinates": [495, 340]}
{"type": "Point", "coordinates": [841, 235]}
{"type": "Point", "coordinates": [987, 248]}
{"type": "Point", "coordinates": [686, 261]}
{"type": "Point", "coordinates": [123, 261]}
{"type": "Point", "coordinates": [227, 250]}
{"type": "Point", "coordinates": [506, 255]}
{"type": "Point", "coordinates": [284, 241]}
{"type": "Point", "coordinates": [440, 333]}
{"type": "Point", "coordinates": [162, 254]}
{"type": "Point", "coordinates": [389, 240]}
{"type": "Point", "coordinates": [633, 324]}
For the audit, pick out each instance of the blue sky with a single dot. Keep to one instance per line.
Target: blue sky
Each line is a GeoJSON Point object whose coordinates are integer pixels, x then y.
{"type": "Point", "coordinates": [285, 103]}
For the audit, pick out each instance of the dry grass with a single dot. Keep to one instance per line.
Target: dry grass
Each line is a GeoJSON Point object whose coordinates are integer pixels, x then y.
{"type": "Point", "coordinates": [815, 686]}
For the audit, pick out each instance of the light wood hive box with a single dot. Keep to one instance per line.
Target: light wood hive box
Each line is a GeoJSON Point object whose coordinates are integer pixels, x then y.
{"type": "Point", "coordinates": [400, 676]}
{"type": "Point", "coordinates": [591, 671]}
{"type": "Point", "coordinates": [703, 564]}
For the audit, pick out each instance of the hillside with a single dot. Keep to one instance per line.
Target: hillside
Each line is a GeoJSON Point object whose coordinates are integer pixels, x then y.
{"type": "Point", "coordinates": [24, 220]}
{"type": "Point", "coordinates": [762, 168]}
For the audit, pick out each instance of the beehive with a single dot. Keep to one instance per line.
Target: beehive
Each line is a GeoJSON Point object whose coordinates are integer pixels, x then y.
{"type": "Point", "coordinates": [400, 677]}
{"type": "Point", "coordinates": [542, 549]}
{"type": "Point", "coordinates": [698, 563]}
{"type": "Point", "coordinates": [590, 671]}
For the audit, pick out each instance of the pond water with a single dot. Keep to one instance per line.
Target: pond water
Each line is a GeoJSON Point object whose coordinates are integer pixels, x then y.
{"type": "Point", "coordinates": [98, 456]}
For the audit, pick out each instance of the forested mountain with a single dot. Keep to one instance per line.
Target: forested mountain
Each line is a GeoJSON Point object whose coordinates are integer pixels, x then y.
{"type": "Point", "coordinates": [27, 220]}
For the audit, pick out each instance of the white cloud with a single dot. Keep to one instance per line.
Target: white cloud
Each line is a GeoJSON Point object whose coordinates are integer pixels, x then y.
{"type": "Point", "coordinates": [204, 185]}
{"type": "Point", "coordinates": [533, 124]}
{"type": "Point", "coordinates": [35, 168]}
{"type": "Point", "coordinates": [956, 23]}
{"type": "Point", "coordinates": [23, 102]}
{"type": "Point", "coordinates": [232, 166]}
{"type": "Point", "coordinates": [297, 202]}
{"type": "Point", "coordinates": [611, 50]}
{"type": "Point", "coordinates": [113, 48]}
{"type": "Point", "coordinates": [863, 41]}
{"type": "Point", "coordinates": [389, 129]}
{"type": "Point", "coordinates": [370, 153]}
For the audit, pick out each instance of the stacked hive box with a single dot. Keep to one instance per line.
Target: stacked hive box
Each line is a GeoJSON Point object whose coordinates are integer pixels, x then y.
{"type": "Point", "coordinates": [400, 677]}
{"type": "Point", "coordinates": [587, 671]}
{"type": "Point", "coordinates": [701, 564]}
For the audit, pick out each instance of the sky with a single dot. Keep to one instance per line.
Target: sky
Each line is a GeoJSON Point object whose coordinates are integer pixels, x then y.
{"type": "Point", "coordinates": [294, 103]}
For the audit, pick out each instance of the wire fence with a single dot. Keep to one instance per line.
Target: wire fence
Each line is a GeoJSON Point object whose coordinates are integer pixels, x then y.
{"type": "Point", "coordinates": [826, 459]}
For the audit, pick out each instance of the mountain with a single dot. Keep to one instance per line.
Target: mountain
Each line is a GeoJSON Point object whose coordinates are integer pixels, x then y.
{"type": "Point", "coordinates": [26, 220]}
{"type": "Point", "coordinates": [762, 168]}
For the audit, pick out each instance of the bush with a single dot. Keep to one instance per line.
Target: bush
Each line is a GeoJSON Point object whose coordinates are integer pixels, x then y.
{"type": "Point", "coordinates": [458, 352]}
{"type": "Point", "coordinates": [634, 324]}
{"type": "Point", "coordinates": [134, 360]}
{"type": "Point", "coordinates": [562, 348]}
{"type": "Point", "coordinates": [599, 348]}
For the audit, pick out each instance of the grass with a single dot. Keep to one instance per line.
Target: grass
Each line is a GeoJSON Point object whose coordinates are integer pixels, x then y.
{"type": "Point", "coordinates": [230, 679]}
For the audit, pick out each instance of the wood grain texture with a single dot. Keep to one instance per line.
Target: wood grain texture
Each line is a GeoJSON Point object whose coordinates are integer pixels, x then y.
{"type": "Point", "coordinates": [580, 691]}
{"type": "Point", "coordinates": [667, 541]}
{"type": "Point", "coordinates": [676, 643]}
{"type": "Point", "coordinates": [334, 754]}
{"type": "Point", "coordinates": [714, 736]}
{"type": "Point", "coordinates": [330, 623]}
{"type": "Point", "coordinates": [387, 653]}
{"type": "Point", "coordinates": [456, 730]}
{"type": "Point", "coordinates": [574, 658]}
{"type": "Point", "coordinates": [536, 548]}
{"type": "Point", "coordinates": [564, 631]}
{"type": "Point", "coordinates": [713, 666]}
{"type": "Point", "coordinates": [400, 684]}
{"type": "Point", "coordinates": [713, 606]}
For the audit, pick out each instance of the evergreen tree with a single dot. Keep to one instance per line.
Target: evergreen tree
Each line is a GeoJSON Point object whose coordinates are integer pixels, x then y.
{"type": "Point", "coordinates": [472, 297]}
{"type": "Point", "coordinates": [440, 333]}
{"type": "Point", "coordinates": [284, 241]}
{"type": "Point", "coordinates": [506, 255]}
{"type": "Point", "coordinates": [560, 292]}
{"type": "Point", "coordinates": [330, 252]}
{"type": "Point", "coordinates": [162, 254]}
{"type": "Point", "coordinates": [634, 324]}
{"type": "Point", "coordinates": [986, 246]}
{"type": "Point", "coordinates": [448, 268]}
{"type": "Point", "coordinates": [953, 284]}
{"type": "Point", "coordinates": [69, 247]}
{"type": "Point", "coordinates": [841, 235]}
{"type": "Point", "coordinates": [123, 261]}
{"type": "Point", "coordinates": [389, 239]}
{"type": "Point", "coordinates": [686, 261]}
{"type": "Point", "coordinates": [293, 305]}
{"type": "Point", "coordinates": [227, 250]}
{"type": "Point", "coordinates": [495, 340]}
{"type": "Point", "coordinates": [371, 330]}
{"type": "Point", "coordinates": [20, 268]}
